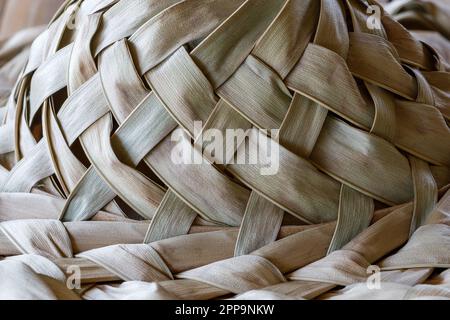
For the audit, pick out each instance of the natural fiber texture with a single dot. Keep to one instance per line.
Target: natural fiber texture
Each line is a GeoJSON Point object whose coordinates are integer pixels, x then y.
{"type": "Point", "coordinates": [88, 182]}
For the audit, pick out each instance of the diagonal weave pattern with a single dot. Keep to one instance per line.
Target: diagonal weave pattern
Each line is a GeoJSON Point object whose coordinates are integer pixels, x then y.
{"type": "Point", "coordinates": [87, 138]}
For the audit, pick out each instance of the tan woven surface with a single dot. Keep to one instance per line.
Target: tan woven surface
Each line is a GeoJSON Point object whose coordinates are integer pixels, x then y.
{"type": "Point", "coordinates": [88, 181]}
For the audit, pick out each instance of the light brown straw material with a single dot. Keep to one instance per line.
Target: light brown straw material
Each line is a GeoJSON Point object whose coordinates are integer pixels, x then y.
{"type": "Point", "coordinates": [93, 206]}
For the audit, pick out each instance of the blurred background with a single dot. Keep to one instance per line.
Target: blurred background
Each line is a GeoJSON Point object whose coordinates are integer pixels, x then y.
{"type": "Point", "coordinates": [20, 14]}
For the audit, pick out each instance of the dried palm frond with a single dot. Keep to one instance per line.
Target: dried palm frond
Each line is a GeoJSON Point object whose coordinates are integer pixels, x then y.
{"type": "Point", "coordinates": [356, 118]}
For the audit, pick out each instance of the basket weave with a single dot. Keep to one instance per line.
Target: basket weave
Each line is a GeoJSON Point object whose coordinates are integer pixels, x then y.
{"type": "Point", "coordinates": [90, 191]}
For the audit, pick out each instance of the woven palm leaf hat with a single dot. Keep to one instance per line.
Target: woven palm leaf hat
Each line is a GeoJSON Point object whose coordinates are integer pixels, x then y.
{"type": "Point", "coordinates": [349, 109]}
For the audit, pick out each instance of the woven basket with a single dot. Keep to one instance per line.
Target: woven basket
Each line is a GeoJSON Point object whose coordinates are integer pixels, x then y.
{"type": "Point", "coordinates": [349, 108]}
